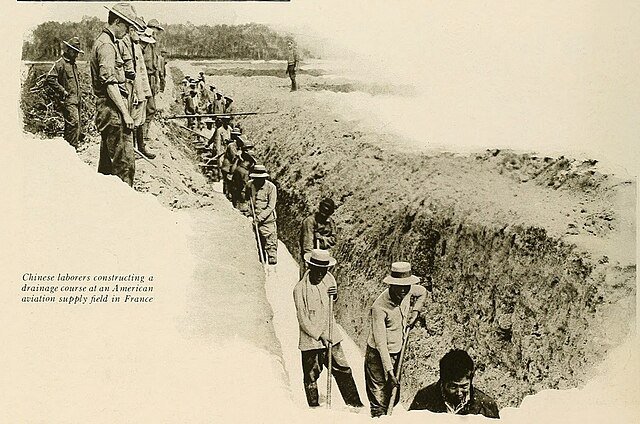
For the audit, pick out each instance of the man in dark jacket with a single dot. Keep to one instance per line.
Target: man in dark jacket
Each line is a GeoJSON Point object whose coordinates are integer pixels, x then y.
{"type": "Point", "coordinates": [317, 231]}
{"type": "Point", "coordinates": [454, 393]}
{"type": "Point", "coordinates": [63, 79]}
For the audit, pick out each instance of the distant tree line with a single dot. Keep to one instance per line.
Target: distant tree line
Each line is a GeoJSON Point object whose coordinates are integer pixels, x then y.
{"type": "Point", "coordinates": [181, 41]}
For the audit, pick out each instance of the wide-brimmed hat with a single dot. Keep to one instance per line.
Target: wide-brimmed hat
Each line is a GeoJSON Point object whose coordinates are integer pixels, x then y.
{"type": "Point", "coordinates": [127, 12]}
{"type": "Point", "coordinates": [259, 171]}
{"type": "Point", "coordinates": [147, 36]}
{"type": "Point", "coordinates": [153, 23]}
{"type": "Point", "coordinates": [320, 258]}
{"type": "Point", "coordinates": [401, 275]}
{"type": "Point", "coordinates": [228, 98]}
{"type": "Point", "coordinates": [74, 43]}
{"type": "Point", "coordinates": [247, 145]}
{"type": "Point", "coordinates": [209, 121]}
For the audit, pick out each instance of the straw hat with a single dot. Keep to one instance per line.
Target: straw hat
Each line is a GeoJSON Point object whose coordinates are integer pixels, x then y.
{"type": "Point", "coordinates": [259, 171]}
{"type": "Point", "coordinates": [320, 258]}
{"type": "Point", "coordinates": [401, 275]}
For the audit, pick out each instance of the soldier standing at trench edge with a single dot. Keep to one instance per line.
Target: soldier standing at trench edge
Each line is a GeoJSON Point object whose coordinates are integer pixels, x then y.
{"type": "Point", "coordinates": [113, 119]}
{"type": "Point", "coordinates": [292, 64]}
{"type": "Point", "coordinates": [63, 79]}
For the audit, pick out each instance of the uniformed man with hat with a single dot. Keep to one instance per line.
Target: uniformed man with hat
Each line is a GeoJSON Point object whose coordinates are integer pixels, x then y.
{"type": "Point", "coordinates": [63, 79]}
{"type": "Point", "coordinates": [292, 64]}
{"type": "Point", "coordinates": [142, 90]}
{"type": "Point", "coordinates": [218, 103]}
{"type": "Point", "coordinates": [263, 196]}
{"type": "Point", "coordinates": [312, 297]}
{"type": "Point", "coordinates": [162, 68]}
{"type": "Point", "coordinates": [240, 179]}
{"type": "Point", "coordinates": [108, 80]}
{"type": "Point", "coordinates": [391, 315]}
{"type": "Point", "coordinates": [153, 74]}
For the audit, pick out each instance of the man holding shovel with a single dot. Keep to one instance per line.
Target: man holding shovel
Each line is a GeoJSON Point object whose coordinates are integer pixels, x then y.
{"type": "Point", "coordinates": [319, 336]}
{"type": "Point", "coordinates": [263, 196]}
{"type": "Point", "coordinates": [392, 316]}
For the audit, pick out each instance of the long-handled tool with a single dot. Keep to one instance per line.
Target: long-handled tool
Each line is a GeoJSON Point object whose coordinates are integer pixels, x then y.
{"type": "Point", "coordinates": [255, 226]}
{"type": "Point", "coordinates": [398, 374]}
{"type": "Point", "coordinates": [329, 353]}
{"type": "Point", "coordinates": [144, 157]}
{"type": "Point", "coordinates": [217, 115]}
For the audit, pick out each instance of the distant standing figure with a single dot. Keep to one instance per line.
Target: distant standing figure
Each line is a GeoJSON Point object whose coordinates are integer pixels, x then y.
{"type": "Point", "coordinates": [292, 64]}
{"type": "Point", "coordinates": [162, 68]}
{"type": "Point", "coordinates": [263, 196]}
{"type": "Point", "coordinates": [63, 79]}
{"type": "Point", "coordinates": [454, 392]}
{"type": "Point", "coordinates": [317, 231]}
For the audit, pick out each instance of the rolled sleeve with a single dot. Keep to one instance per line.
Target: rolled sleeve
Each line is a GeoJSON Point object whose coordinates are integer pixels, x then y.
{"type": "Point", "coordinates": [107, 64]}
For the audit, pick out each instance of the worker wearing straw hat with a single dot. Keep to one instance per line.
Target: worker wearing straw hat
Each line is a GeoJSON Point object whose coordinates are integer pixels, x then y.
{"type": "Point", "coordinates": [113, 119]}
{"type": "Point", "coordinates": [63, 79]}
{"type": "Point", "coordinates": [142, 89]}
{"type": "Point", "coordinates": [312, 297]}
{"type": "Point", "coordinates": [391, 315]}
{"type": "Point", "coordinates": [263, 196]}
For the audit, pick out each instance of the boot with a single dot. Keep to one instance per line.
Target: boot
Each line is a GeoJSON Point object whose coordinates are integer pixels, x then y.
{"type": "Point", "coordinates": [141, 142]}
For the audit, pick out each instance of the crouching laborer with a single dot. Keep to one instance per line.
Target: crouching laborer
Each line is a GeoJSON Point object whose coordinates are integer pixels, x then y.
{"type": "Point", "coordinates": [263, 196]}
{"type": "Point", "coordinates": [391, 315]}
{"type": "Point", "coordinates": [317, 230]}
{"type": "Point", "coordinates": [454, 392]}
{"type": "Point", "coordinates": [312, 296]}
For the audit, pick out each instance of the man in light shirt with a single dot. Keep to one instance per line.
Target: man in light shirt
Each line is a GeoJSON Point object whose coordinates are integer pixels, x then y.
{"type": "Point", "coordinates": [391, 315]}
{"type": "Point", "coordinates": [312, 298]}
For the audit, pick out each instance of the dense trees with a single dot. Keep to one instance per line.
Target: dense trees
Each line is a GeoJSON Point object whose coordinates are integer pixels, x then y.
{"type": "Point", "coordinates": [247, 41]}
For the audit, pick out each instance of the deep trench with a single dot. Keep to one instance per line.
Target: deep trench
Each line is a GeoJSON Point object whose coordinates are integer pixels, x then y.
{"type": "Point", "coordinates": [522, 302]}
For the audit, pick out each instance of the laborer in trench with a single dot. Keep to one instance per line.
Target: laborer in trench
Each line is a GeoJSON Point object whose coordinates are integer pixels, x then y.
{"type": "Point", "coordinates": [63, 79]}
{"type": "Point", "coordinates": [292, 64]}
{"type": "Point", "coordinates": [263, 195]}
{"type": "Point", "coordinates": [454, 392]}
{"type": "Point", "coordinates": [218, 103]}
{"type": "Point", "coordinates": [229, 159]}
{"type": "Point", "coordinates": [229, 108]}
{"type": "Point", "coordinates": [218, 142]}
{"type": "Point", "coordinates": [312, 296]}
{"type": "Point", "coordinates": [317, 231]}
{"type": "Point", "coordinates": [191, 105]}
{"type": "Point", "coordinates": [113, 118]}
{"type": "Point", "coordinates": [391, 313]}
{"type": "Point", "coordinates": [240, 180]}
{"type": "Point", "coordinates": [142, 90]}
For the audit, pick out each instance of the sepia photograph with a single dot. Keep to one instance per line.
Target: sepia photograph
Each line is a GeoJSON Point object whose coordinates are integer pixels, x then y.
{"type": "Point", "coordinates": [303, 211]}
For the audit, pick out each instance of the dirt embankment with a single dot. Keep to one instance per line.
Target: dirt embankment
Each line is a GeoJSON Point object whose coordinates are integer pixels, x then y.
{"type": "Point", "coordinates": [529, 260]}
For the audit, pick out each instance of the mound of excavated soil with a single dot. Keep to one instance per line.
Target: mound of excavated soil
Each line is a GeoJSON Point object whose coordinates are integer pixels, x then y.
{"type": "Point", "coordinates": [530, 260]}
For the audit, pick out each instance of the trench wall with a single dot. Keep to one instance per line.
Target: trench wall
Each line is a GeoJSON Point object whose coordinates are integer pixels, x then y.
{"type": "Point", "coordinates": [522, 302]}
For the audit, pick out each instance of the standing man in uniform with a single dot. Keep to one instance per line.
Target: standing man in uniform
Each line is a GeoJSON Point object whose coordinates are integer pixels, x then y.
{"type": "Point", "coordinates": [312, 297]}
{"type": "Point", "coordinates": [142, 89]}
{"type": "Point", "coordinates": [113, 119]}
{"type": "Point", "coordinates": [151, 63]}
{"type": "Point", "coordinates": [292, 64]}
{"type": "Point", "coordinates": [317, 231]}
{"type": "Point", "coordinates": [63, 79]}
{"type": "Point", "coordinates": [391, 315]}
{"type": "Point", "coordinates": [263, 196]}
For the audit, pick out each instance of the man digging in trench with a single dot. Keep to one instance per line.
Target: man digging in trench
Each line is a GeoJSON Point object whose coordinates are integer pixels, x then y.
{"type": "Point", "coordinates": [391, 315]}
{"type": "Point", "coordinates": [312, 296]}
